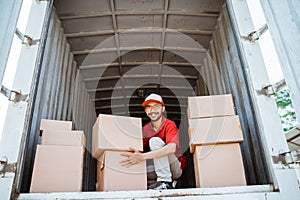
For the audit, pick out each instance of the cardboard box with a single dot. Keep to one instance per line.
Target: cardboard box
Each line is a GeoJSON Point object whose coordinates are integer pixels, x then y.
{"type": "Point", "coordinates": [214, 130]}
{"type": "Point", "coordinates": [55, 125]}
{"type": "Point", "coordinates": [219, 166]}
{"type": "Point", "coordinates": [69, 138]}
{"type": "Point", "coordinates": [113, 177]}
{"type": "Point", "coordinates": [57, 169]}
{"type": "Point", "coordinates": [210, 106]}
{"type": "Point", "coordinates": [116, 133]}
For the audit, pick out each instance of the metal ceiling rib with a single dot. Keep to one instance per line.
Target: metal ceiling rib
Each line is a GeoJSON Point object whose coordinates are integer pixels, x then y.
{"type": "Point", "coordinates": [122, 45]}
{"type": "Point", "coordinates": [115, 27]}
{"type": "Point", "coordinates": [162, 44]}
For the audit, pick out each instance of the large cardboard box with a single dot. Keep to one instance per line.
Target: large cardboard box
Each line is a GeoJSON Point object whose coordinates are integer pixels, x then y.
{"type": "Point", "coordinates": [48, 124]}
{"type": "Point", "coordinates": [116, 133]}
{"type": "Point", "coordinates": [113, 177]}
{"type": "Point", "coordinates": [57, 137]}
{"type": "Point", "coordinates": [57, 169]}
{"type": "Point", "coordinates": [214, 130]}
{"type": "Point", "coordinates": [219, 166]}
{"type": "Point", "coordinates": [210, 106]}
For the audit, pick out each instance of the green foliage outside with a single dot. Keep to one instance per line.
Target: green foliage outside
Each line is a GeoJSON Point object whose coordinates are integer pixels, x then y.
{"type": "Point", "coordinates": [286, 110]}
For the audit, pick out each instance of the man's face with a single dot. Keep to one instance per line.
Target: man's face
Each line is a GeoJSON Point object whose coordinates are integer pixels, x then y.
{"type": "Point", "coordinates": [154, 111]}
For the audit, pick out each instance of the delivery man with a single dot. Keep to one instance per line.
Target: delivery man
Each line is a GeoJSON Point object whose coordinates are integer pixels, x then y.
{"type": "Point", "coordinates": [161, 145]}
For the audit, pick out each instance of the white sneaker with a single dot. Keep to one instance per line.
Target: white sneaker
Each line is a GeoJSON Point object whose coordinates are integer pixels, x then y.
{"type": "Point", "coordinates": [164, 186]}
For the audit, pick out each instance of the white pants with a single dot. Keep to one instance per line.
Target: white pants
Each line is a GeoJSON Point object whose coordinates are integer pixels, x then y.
{"type": "Point", "coordinates": [166, 168]}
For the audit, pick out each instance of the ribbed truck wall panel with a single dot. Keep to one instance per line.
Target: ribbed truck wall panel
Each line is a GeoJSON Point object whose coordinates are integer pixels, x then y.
{"type": "Point", "coordinates": [223, 73]}
{"type": "Point", "coordinates": [61, 95]}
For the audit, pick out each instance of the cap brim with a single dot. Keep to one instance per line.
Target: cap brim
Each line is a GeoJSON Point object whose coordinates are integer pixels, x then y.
{"type": "Point", "coordinates": [145, 103]}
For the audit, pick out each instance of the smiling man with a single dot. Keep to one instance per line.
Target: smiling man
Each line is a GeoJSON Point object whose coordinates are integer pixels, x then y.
{"type": "Point", "coordinates": [161, 145]}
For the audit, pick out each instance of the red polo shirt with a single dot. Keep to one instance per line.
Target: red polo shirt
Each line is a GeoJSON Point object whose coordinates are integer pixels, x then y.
{"type": "Point", "coordinates": [169, 133]}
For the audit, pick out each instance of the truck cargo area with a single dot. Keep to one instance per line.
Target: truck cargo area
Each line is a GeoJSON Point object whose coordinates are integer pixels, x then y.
{"type": "Point", "coordinates": [106, 56]}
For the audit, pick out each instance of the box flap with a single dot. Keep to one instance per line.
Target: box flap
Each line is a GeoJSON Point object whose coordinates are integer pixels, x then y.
{"type": "Point", "coordinates": [49, 124]}
{"type": "Point", "coordinates": [210, 106]}
{"type": "Point", "coordinates": [216, 130]}
{"type": "Point", "coordinates": [63, 137]}
{"type": "Point", "coordinates": [116, 133]}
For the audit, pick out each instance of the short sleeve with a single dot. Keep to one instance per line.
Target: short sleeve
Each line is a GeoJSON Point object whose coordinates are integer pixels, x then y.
{"type": "Point", "coordinates": [172, 133]}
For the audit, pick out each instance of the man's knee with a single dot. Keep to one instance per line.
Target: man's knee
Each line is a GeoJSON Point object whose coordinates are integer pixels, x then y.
{"type": "Point", "coordinates": [156, 143]}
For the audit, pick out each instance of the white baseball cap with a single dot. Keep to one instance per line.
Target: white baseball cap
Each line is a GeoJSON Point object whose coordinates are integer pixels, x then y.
{"type": "Point", "coordinates": [153, 98]}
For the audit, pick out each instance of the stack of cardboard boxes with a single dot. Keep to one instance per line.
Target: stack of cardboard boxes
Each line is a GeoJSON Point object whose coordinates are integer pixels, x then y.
{"type": "Point", "coordinates": [214, 137]}
{"type": "Point", "coordinates": [112, 136]}
{"type": "Point", "coordinates": [58, 161]}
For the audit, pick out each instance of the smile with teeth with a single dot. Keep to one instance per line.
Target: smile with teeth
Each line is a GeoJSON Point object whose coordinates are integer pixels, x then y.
{"type": "Point", "coordinates": [153, 114]}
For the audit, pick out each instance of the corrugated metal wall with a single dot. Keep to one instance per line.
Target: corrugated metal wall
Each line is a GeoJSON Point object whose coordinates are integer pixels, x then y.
{"type": "Point", "coordinates": [61, 95]}
{"type": "Point", "coordinates": [84, 116]}
{"type": "Point", "coordinates": [228, 76]}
